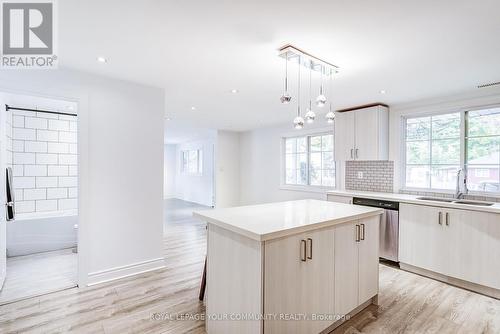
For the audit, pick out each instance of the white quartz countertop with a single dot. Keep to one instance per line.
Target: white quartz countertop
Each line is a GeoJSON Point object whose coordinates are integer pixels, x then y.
{"type": "Point", "coordinates": [413, 199]}
{"type": "Point", "coordinates": [275, 220]}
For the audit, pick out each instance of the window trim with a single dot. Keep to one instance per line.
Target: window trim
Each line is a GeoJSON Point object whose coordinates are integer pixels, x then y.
{"type": "Point", "coordinates": [306, 133]}
{"type": "Point", "coordinates": [463, 142]}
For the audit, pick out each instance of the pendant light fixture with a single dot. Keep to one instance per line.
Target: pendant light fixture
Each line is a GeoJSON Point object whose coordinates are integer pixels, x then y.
{"type": "Point", "coordinates": [303, 58]}
{"type": "Point", "coordinates": [286, 98]}
{"type": "Point", "coordinates": [321, 99]}
{"type": "Point", "coordinates": [330, 115]}
{"type": "Point", "coordinates": [298, 122]}
{"type": "Point", "coordinates": [310, 115]}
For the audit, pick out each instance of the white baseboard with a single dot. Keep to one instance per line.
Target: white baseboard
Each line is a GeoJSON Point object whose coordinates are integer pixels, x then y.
{"type": "Point", "coordinates": [125, 271]}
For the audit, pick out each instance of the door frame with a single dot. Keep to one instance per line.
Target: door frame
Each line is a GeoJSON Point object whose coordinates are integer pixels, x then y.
{"type": "Point", "coordinates": [82, 110]}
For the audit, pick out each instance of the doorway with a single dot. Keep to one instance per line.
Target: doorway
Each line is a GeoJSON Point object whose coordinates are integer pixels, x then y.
{"type": "Point", "coordinates": [39, 165]}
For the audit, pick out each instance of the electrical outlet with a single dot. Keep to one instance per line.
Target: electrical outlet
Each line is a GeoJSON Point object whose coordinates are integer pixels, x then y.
{"type": "Point", "coordinates": [360, 175]}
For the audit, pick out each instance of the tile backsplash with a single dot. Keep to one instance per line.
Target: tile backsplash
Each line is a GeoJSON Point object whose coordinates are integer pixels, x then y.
{"type": "Point", "coordinates": [370, 175]}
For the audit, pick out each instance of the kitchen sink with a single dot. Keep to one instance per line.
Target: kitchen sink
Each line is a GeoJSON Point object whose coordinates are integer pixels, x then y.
{"type": "Point", "coordinates": [474, 203]}
{"type": "Point", "coordinates": [436, 199]}
{"type": "Point", "coordinates": [455, 201]}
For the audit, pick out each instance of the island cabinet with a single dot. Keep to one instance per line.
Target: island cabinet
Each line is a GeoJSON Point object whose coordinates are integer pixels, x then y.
{"type": "Point", "coordinates": [303, 277]}
{"type": "Point", "coordinates": [356, 263]}
{"type": "Point", "coordinates": [298, 276]}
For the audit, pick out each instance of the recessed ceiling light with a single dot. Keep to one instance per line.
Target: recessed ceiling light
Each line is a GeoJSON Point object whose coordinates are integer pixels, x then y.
{"type": "Point", "coordinates": [382, 91]}
{"type": "Point", "coordinates": [102, 60]}
{"type": "Point", "coordinates": [167, 118]}
{"type": "Point", "coordinates": [193, 108]}
{"type": "Point", "coordinates": [69, 107]}
{"type": "Point", "coordinates": [234, 91]}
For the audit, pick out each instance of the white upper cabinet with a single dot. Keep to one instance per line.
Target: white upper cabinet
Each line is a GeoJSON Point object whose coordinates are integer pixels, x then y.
{"type": "Point", "coordinates": [344, 136]}
{"type": "Point", "coordinates": [362, 134]}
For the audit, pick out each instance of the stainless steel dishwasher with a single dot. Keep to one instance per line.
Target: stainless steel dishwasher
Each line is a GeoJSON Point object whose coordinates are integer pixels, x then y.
{"type": "Point", "coordinates": [389, 226]}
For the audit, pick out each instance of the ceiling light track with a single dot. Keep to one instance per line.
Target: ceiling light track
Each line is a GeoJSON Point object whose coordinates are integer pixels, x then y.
{"type": "Point", "coordinates": [294, 54]}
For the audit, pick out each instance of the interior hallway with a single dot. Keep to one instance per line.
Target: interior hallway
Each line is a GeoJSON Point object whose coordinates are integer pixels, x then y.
{"type": "Point", "coordinates": [140, 304]}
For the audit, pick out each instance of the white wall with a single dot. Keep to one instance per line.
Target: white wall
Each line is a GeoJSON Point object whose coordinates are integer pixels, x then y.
{"type": "Point", "coordinates": [227, 179]}
{"type": "Point", "coordinates": [170, 170]}
{"type": "Point", "coordinates": [260, 161]}
{"type": "Point", "coordinates": [480, 98]}
{"type": "Point", "coordinates": [196, 188]}
{"type": "Point", "coordinates": [120, 145]}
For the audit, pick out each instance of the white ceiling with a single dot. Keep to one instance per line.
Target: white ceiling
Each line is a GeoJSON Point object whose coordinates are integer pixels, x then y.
{"type": "Point", "coordinates": [200, 50]}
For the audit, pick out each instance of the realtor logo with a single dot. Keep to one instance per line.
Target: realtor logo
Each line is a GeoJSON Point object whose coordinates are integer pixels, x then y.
{"type": "Point", "coordinates": [28, 32]}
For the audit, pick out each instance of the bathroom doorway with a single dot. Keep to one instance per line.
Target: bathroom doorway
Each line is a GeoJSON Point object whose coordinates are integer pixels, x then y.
{"type": "Point", "coordinates": [39, 169]}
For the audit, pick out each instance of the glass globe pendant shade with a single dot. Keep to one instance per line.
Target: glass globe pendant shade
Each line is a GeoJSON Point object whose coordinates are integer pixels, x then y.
{"type": "Point", "coordinates": [330, 116]}
{"type": "Point", "coordinates": [310, 116]}
{"type": "Point", "coordinates": [285, 98]}
{"type": "Point", "coordinates": [298, 123]}
{"type": "Point", "coordinates": [321, 100]}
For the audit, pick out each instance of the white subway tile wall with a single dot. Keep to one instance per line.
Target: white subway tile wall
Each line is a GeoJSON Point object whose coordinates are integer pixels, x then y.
{"type": "Point", "coordinates": [42, 152]}
{"type": "Point", "coordinates": [370, 175]}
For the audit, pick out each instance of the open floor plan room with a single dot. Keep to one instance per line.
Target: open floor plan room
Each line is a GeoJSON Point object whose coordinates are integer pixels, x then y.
{"type": "Point", "coordinates": [250, 167]}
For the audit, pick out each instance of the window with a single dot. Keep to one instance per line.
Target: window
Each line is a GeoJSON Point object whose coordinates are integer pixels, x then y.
{"type": "Point", "coordinates": [192, 162]}
{"type": "Point", "coordinates": [309, 161]}
{"type": "Point", "coordinates": [436, 147]}
{"type": "Point", "coordinates": [433, 151]}
{"type": "Point", "coordinates": [483, 150]}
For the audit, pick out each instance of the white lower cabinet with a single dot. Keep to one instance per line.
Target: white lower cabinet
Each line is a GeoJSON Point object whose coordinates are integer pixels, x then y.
{"type": "Point", "coordinates": [457, 243]}
{"type": "Point", "coordinates": [422, 238]}
{"type": "Point", "coordinates": [299, 275]}
{"type": "Point", "coordinates": [324, 272]}
{"type": "Point", "coordinates": [356, 264]}
{"type": "Point", "coordinates": [474, 242]}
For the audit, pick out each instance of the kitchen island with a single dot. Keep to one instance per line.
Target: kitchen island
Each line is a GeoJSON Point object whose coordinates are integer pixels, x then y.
{"type": "Point", "coordinates": [290, 267]}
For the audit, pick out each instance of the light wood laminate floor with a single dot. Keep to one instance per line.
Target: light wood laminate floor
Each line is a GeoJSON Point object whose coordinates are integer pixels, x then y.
{"type": "Point", "coordinates": [37, 274]}
{"type": "Point", "coordinates": [408, 303]}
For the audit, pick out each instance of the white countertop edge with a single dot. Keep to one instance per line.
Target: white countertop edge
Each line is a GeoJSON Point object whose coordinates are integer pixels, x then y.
{"type": "Point", "coordinates": [412, 199]}
{"type": "Point", "coordinates": [290, 231]}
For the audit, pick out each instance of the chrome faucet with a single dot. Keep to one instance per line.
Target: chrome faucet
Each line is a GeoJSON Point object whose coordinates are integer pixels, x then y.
{"type": "Point", "coordinates": [459, 193]}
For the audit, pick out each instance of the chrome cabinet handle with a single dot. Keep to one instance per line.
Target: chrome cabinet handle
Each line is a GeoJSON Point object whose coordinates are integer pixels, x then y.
{"type": "Point", "coordinates": [447, 219]}
{"type": "Point", "coordinates": [440, 218]}
{"type": "Point", "coordinates": [352, 153]}
{"type": "Point", "coordinates": [310, 248]}
{"type": "Point", "coordinates": [357, 233]}
{"type": "Point", "coordinates": [362, 232]}
{"type": "Point", "coordinates": [303, 250]}
{"type": "Point", "coordinates": [356, 153]}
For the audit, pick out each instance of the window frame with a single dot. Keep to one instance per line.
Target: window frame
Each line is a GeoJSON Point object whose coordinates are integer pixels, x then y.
{"type": "Point", "coordinates": [307, 187]}
{"type": "Point", "coordinates": [404, 142]}
{"type": "Point", "coordinates": [463, 147]}
{"type": "Point", "coordinates": [199, 166]}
